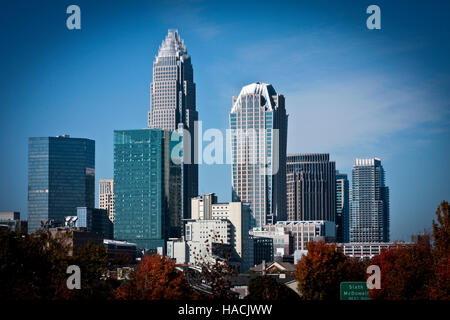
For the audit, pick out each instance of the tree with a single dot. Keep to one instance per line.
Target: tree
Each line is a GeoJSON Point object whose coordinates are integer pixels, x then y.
{"type": "Point", "coordinates": [32, 266]}
{"type": "Point", "coordinates": [155, 279]}
{"type": "Point", "coordinates": [267, 288]}
{"type": "Point", "coordinates": [405, 272]}
{"type": "Point", "coordinates": [440, 284]}
{"type": "Point", "coordinates": [441, 232]}
{"type": "Point", "coordinates": [93, 262]}
{"type": "Point", "coordinates": [320, 272]}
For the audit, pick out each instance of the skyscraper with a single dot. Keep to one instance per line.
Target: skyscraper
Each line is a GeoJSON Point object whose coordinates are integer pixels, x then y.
{"type": "Point", "coordinates": [369, 218]}
{"type": "Point", "coordinates": [311, 191]}
{"type": "Point", "coordinates": [61, 177]}
{"type": "Point", "coordinates": [173, 106]}
{"type": "Point", "coordinates": [106, 196]}
{"type": "Point", "coordinates": [258, 124]}
{"type": "Point", "coordinates": [139, 199]}
{"type": "Point", "coordinates": [342, 208]}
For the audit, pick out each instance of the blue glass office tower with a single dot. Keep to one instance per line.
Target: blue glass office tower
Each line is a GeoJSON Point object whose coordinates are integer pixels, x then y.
{"type": "Point", "coordinates": [258, 124]}
{"type": "Point", "coordinates": [61, 177]}
{"type": "Point", "coordinates": [139, 187]}
{"type": "Point", "coordinates": [342, 208]}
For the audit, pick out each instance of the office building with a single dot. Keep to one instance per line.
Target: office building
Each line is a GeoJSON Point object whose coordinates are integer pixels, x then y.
{"type": "Point", "coordinates": [10, 220]}
{"type": "Point", "coordinates": [305, 231]}
{"type": "Point", "coordinates": [311, 192]}
{"type": "Point", "coordinates": [369, 250]}
{"type": "Point", "coordinates": [61, 177]}
{"type": "Point", "coordinates": [282, 241]}
{"type": "Point", "coordinates": [139, 200]}
{"type": "Point", "coordinates": [173, 106]}
{"type": "Point", "coordinates": [258, 123]}
{"type": "Point", "coordinates": [207, 208]}
{"type": "Point", "coordinates": [106, 196]}
{"type": "Point", "coordinates": [262, 250]}
{"type": "Point", "coordinates": [95, 220]}
{"type": "Point", "coordinates": [369, 218]}
{"type": "Point", "coordinates": [342, 208]}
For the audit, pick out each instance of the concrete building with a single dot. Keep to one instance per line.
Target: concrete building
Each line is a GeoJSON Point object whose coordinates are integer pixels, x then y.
{"type": "Point", "coordinates": [61, 177]}
{"type": "Point", "coordinates": [178, 249]}
{"type": "Point", "coordinates": [369, 218]}
{"type": "Point", "coordinates": [120, 251]}
{"type": "Point", "coordinates": [305, 231]}
{"type": "Point", "coordinates": [258, 123]}
{"type": "Point", "coordinates": [10, 220]}
{"type": "Point", "coordinates": [173, 106]}
{"type": "Point", "coordinates": [106, 197]}
{"type": "Point", "coordinates": [207, 207]}
{"type": "Point", "coordinates": [368, 250]}
{"type": "Point", "coordinates": [310, 187]}
{"type": "Point", "coordinates": [282, 241]}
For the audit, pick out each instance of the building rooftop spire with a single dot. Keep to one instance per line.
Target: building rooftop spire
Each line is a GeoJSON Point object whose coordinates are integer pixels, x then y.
{"type": "Point", "coordinates": [172, 45]}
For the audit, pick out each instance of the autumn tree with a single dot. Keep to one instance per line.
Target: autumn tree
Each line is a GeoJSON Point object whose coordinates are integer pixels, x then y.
{"type": "Point", "coordinates": [32, 266]}
{"type": "Point", "coordinates": [93, 262]}
{"type": "Point", "coordinates": [405, 272]}
{"type": "Point", "coordinates": [320, 272]}
{"type": "Point", "coordinates": [155, 278]}
{"type": "Point", "coordinates": [440, 284]}
{"type": "Point", "coordinates": [268, 288]}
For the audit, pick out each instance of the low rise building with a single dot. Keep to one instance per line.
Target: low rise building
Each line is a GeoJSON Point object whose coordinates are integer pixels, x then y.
{"type": "Point", "coordinates": [305, 231]}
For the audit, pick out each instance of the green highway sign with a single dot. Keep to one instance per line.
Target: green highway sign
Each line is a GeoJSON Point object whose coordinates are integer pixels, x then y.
{"type": "Point", "coordinates": [354, 291]}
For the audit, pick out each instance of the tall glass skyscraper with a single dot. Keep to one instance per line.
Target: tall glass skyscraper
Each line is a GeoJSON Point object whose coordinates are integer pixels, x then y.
{"type": "Point", "coordinates": [311, 190]}
{"type": "Point", "coordinates": [147, 187]}
{"type": "Point", "coordinates": [61, 177]}
{"type": "Point", "coordinates": [369, 218]}
{"type": "Point", "coordinates": [139, 200]}
{"type": "Point", "coordinates": [173, 106]}
{"type": "Point", "coordinates": [258, 124]}
{"type": "Point", "coordinates": [342, 208]}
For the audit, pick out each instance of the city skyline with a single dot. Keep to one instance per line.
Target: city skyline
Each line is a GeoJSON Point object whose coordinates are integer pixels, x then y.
{"type": "Point", "coordinates": [402, 165]}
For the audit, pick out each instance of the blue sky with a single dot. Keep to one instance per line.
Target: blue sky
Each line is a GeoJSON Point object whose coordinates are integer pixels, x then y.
{"type": "Point", "coordinates": [350, 91]}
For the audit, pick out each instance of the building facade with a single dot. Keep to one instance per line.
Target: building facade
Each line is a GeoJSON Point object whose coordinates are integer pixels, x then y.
{"type": "Point", "coordinates": [173, 107]}
{"type": "Point", "coordinates": [305, 231]}
{"type": "Point", "coordinates": [369, 218]}
{"type": "Point", "coordinates": [139, 198]}
{"type": "Point", "coordinates": [10, 220]}
{"type": "Point", "coordinates": [342, 208]}
{"type": "Point", "coordinates": [95, 220]}
{"type": "Point", "coordinates": [207, 208]}
{"type": "Point", "coordinates": [311, 192]}
{"type": "Point", "coordinates": [282, 241]}
{"type": "Point", "coordinates": [258, 123]}
{"type": "Point", "coordinates": [106, 196]}
{"type": "Point", "coordinates": [61, 177]}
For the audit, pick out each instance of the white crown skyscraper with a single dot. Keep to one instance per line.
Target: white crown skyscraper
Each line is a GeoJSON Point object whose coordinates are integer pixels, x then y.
{"type": "Point", "coordinates": [173, 106]}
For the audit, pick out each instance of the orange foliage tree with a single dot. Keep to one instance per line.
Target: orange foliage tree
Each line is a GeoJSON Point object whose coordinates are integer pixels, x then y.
{"type": "Point", "coordinates": [440, 284]}
{"type": "Point", "coordinates": [320, 272]}
{"type": "Point", "coordinates": [405, 272]}
{"type": "Point", "coordinates": [155, 279]}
